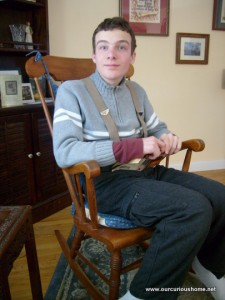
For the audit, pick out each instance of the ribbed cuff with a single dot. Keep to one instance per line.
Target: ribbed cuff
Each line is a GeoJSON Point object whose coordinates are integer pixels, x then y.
{"type": "Point", "coordinates": [128, 149]}
{"type": "Point", "coordinates": [104, 153]}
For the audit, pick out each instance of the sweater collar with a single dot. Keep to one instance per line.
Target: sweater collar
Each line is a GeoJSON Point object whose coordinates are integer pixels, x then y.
{"type": "Point", "coordinates": [103, 87]}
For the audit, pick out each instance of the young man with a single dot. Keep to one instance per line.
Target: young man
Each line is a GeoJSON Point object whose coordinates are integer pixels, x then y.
{"type": "Point", "coordinates": [187, 210]}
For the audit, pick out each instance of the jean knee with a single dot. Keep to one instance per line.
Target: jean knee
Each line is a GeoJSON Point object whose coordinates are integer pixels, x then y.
{"type": "Point", "coordinates": [202, 212]}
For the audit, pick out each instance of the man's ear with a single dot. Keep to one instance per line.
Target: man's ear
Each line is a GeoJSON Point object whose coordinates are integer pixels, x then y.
{"type": "Point", "coordinates": [133, 57]}
{"type": "Point", "coordinates": [93, 58]}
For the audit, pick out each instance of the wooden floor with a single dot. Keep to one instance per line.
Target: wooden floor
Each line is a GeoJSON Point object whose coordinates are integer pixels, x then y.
{"type": "Point", "coordinates": [49, 250]}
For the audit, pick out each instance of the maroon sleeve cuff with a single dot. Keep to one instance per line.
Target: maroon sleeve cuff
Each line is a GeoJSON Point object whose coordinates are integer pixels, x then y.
{"type": "Point", "coordinates": [128, 149]}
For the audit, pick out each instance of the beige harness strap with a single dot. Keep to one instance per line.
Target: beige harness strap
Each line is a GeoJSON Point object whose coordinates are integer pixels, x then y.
{"type": "Point", "coordinates": [103, 110]}
{"type": "Point", "coordinates": [140, 114]}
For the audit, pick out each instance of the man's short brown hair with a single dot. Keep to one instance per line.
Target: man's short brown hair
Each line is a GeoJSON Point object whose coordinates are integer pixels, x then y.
{"type": "Point", "coordinates": [115, 23]}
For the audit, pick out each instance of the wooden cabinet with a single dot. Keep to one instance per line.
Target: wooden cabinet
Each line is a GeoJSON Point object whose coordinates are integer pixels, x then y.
{"type": "Point", "coordinates": [21, 12]}
{"type": "Point", "coordinates": [28, 172]}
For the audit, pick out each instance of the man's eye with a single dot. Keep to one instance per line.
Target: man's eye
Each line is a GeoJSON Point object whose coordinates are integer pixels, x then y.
{"type": "Point", "coordinates": [103, 47]}
{"type": "Point", "coordinates": [122, 47]}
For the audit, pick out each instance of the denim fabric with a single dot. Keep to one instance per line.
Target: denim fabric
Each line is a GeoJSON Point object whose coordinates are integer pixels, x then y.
{"type": "Point", "coordinates": [188, 212]}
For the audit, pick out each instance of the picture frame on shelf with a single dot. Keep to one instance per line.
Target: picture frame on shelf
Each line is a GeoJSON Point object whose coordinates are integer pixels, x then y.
{"type": "Point", "coordinates": [192, 48]}
{"type": "Point", "coordinates": [218, 15]}
{"type": "Point", "coordinates": [27, 93]}
{"type": "Point", "coordinates": [147, 17]}
{"type": "Point", "coordinates": [10, 90]}
{"type": "Point", "coordinates": [10, 71]}
{"type": "Point", "coordinates": [42, 82]}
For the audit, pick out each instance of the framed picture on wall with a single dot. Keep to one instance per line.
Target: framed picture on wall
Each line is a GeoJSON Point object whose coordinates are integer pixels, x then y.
{"type": "Point", "coordinates": [192, 48]}
{"type": "Point", "coordinates": [146, 17]}
{"type": "Point", "coordinates": [218, 15]}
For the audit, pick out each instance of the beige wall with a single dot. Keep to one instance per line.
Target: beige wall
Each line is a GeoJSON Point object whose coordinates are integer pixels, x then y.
{"type": "Point", "coordinates": [189, 98]}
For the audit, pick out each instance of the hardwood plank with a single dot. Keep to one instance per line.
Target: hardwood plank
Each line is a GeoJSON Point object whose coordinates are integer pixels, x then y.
{"type": "Point", "coordinates": [218, 175]}
{"type": "Point", "coordinates": [49, 250]}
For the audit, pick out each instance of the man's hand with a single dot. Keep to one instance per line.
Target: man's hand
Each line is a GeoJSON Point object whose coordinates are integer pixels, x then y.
{"type": "Point", "coordinates": [167, 144]}
{"type": "Point", "coordinates": [153, 147]}
{"type": "Point", "coordinates": [172, 143]}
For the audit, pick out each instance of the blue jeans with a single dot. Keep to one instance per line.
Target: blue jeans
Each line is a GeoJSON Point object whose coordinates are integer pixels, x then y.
{"type": "Point", "coordinates": [188, 212]}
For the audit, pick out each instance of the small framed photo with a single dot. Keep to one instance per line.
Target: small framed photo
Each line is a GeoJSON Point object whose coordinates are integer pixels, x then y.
{"type": "Point", "coordinates": [10, 90]}
{"type": "Point", "coordinates": [218, 15]}
{"type": "Point", "coordinates": [192, 48]}
{"type": "Point", "coordinates": [10, 71]}
{"type": "Point", "coordinates": [27, 93]}
{"type": "Point", "coordinates": [147, 17]}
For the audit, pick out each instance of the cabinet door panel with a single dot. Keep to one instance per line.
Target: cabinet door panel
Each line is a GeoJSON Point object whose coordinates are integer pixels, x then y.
{"type": "Point", "coordinates": [49, 178]}
{"type": "Point", "coordinates": [16, 177]}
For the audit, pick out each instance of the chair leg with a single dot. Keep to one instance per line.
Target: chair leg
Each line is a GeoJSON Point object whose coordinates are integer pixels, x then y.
{"type": "Point", "coordinates": [76, 243]}
{"type": "Point", "coordinates": [114, 282]}
{"type": "Point", "coordinates": [80, 274]}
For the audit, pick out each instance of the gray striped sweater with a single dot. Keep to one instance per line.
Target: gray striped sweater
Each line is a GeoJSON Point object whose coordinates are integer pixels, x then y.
{"type": "Point", "coordinates": [79, 132]}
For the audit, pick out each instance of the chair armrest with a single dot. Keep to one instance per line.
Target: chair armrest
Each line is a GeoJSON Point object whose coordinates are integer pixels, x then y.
{"type": "Point", "coordinates": [196, 145]}
{"type": "Point", "coordinates": [90, 169]}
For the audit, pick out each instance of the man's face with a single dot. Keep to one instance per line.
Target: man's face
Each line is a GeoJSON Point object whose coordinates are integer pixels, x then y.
{"type": "Point", "coordinates": [113, 55]}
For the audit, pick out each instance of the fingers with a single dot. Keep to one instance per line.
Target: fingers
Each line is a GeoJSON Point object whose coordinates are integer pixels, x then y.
{"type": "Point", "coordinates": [153, 147]}
{"type": "Point", "coordinates": [167, 144]}
{"type": "Point", "coordinates": [172, 143]}
{"type": "Point", "coordinates": [179, 144]}
{"type": "Point", "coordinates": [175, 144]}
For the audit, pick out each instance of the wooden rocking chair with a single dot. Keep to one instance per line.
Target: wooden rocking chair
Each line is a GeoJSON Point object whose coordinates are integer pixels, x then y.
{"type": "Point", "coordinates": [61, 69]}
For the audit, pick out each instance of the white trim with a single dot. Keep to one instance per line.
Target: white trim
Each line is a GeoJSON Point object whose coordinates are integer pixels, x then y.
{"type": "Point", "coordinates": [203, 165]}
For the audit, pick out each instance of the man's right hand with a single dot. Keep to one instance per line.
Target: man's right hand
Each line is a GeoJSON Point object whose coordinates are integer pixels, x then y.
{"type": "Point", "coordinates": [153, 147]}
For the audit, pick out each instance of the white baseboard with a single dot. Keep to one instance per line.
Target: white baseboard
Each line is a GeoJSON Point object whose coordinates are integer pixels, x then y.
{"type": "Point", "coordinates": [203, 165]}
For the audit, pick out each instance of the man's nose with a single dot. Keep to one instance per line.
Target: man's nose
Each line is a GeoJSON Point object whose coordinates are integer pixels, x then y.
{"type": "Point", "coordinates": [111, 53]}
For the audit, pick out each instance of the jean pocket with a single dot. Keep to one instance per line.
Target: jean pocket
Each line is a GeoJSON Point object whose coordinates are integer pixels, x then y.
{"type": "Point", "coordinates": [136, 196]}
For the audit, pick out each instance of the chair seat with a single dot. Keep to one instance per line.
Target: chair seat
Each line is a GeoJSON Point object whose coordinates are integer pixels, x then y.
{"type": "Point", "coordinates": [109, 220]}
{"type": "Point", "coordinates": [114, 238]}
{"type": "Point", "coordinates": [114, 221]}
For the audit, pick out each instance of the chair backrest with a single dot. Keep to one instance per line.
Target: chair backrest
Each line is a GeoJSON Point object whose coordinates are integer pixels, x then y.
{"type": "Point", "coordinates": [64, 68]}
{"type": "Point", "coordinates": [61, 68]}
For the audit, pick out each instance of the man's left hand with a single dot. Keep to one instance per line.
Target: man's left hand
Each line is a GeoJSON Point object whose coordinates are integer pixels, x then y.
{"type": "Point", "coordinates": [172, 143]}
